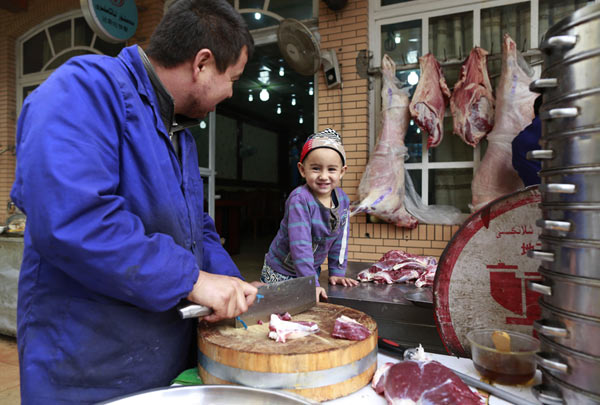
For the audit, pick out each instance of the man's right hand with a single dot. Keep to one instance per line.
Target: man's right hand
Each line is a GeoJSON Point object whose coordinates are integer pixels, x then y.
{"type": "Point", "coordinates": [227, 296]}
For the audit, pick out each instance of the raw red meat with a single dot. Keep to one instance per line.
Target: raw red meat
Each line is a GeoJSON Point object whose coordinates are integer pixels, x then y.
{"type": "Point", "coordinates": [280, 330]}
{"type": "Point", "coordinates": [496, 176]}
{"type": "Point", "coordinates": [422, 382]}
{"type": "Point", "coordinates": [397, 266]}
{"type": "Point", "coordinates": [381, 189]}
{"type": "Point", "coordinates": [428, 104]}
{"type": "Point", "coordinates": [348, 328]}
{"type": "Point", "coordinates": [472, 102]}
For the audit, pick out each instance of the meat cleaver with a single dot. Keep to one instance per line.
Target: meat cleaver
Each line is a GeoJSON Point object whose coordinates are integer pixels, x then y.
{"type": "Point", "coordinates": [294, 296]}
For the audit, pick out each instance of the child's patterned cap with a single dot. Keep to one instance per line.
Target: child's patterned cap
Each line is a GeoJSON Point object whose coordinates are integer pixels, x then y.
{"type": "Point", "coordinates": [327, 138]}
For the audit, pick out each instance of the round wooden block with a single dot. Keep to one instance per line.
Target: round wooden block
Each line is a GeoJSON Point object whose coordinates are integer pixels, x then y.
{"type": "Point", "coordinates": [317, 366]}
{"type": "Point", "coordinates": [481, 280]}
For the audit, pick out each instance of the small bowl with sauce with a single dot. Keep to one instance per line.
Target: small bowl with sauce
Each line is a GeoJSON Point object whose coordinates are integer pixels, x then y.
{"type": "Point", "coordinates": [504, 357]}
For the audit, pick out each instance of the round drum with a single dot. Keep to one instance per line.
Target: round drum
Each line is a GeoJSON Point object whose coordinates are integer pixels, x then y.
{"type": "Point", "coordinates": [553, 391]}
{"type": "Point", "coordinates": [571, 257]}
{"type": "Point", "coordinates": [572, 111]}
{"type": "Point", "coordinates": [578, 185]}
{"type": "Point", "coordinates": [317, 366]}
{"type": "Point", "coordinates": [568, 150]}
{"type": "Point", "coordinates": [573, 221]}
{"type": "Point", "coordinates": [481, 280]}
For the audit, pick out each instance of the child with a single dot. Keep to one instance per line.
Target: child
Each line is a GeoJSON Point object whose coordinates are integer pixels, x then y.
{"type": "Point", "coordinates": [315, 224]}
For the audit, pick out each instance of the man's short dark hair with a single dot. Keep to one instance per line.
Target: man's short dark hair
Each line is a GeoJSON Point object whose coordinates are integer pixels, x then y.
{"type": "Point", "coordinates": [191, 25]}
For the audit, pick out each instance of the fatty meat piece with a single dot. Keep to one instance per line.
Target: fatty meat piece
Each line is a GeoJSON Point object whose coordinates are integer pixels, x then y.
{"type": "Point", "coordinates": [428, 104]}
{"type": "Point", "coordinates": [472, 102]}
{"type": "Point", "coordinates": [280, 330]}
{"type": "Point", "coordinates": [422, 382]}
{"type": "Point", "coordinates": [397, 266]}
{"type": "Point", "coordinates": [347, 328]}
{"type": "Point", "coordinates": [381, 188]}
{"type": "Point", "coordinates": [495, 175]}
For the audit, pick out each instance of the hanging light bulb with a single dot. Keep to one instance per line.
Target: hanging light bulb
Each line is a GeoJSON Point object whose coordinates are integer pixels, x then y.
{"type": "Point", "coordinates": [311, 91]}
{"type": "Point", "coordinates": [250, 97]}
{"type": "Point", "coordinates": [281, 71]}
{"type": "Point", "coordinates": [203, 124]}
{"type": "Point", "coordinates": [397, 38]}
{"type": "Point", "coordinates": [293, 102]}
{"type": "Point", "coordinates": [418, 130]}
{"type": "Point", "coordinates": [264, 95]}
{"type": "Point", "coordinates": [300, 120]}
{"type": "Point", "coordinates": [279, 109]}
{"type": "Point", "coordinates": [413, 78]}
{"type": "Point", "coordinates": [257, 16]}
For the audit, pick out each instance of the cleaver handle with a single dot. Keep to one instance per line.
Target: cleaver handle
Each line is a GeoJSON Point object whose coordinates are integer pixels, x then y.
{"type": "Point", "coordinates": [194, 311]}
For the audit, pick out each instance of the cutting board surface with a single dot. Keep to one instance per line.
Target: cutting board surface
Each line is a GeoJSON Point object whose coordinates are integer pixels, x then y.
{"type": "Point", "coordinates": [250, 350]}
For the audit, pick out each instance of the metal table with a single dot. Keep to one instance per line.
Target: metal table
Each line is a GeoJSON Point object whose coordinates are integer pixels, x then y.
{"type": "Point", "coordinates": [407, 322]}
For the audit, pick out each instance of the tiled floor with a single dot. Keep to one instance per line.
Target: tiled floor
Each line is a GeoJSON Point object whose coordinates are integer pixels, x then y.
{"type": "Point", "coordinates": [249, 261]}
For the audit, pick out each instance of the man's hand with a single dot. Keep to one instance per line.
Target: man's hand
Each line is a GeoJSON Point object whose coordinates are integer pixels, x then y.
{"type": "Point", "coordinates": [345, 281]}
{"type": "Point", "coordinates": [321, 293]}
{"type": "Point", "coordinates": [227, 296]}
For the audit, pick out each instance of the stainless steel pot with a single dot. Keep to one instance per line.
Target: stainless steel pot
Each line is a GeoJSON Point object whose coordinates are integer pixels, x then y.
{"type": "Point", "coordinates": [571, 294]}
{"type": "Point", "coordinates": [571, 257]}
{"type": "Point", "coordinates": [553, 391]}
{"type": "Point", "coordinates": [568, 149]}
{"type": "Point", "coordinates": [574, 77]}
{"type": "Point", "coordinates": [577, 369]}
{"type": "Point", "coordinates": [577, 332]}
{"type": "Point", "coordinates": [579, 185]}
{"type": "Point", "coordinates": [574, 221]}
{"type": "Point", "coordinates": [572, 110]}
{"type": "Point", "coordinates": [574, 35]}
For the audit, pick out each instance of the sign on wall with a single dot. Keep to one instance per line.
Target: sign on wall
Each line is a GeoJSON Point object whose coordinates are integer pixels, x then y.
{"type": "Point", "coordinates": [112, 20]}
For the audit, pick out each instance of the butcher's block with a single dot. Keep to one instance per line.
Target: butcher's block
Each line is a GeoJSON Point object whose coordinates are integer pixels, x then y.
{"type": "Point", "coordinates": [317, 366]}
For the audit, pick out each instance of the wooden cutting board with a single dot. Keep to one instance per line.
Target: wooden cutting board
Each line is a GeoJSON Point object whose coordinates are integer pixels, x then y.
{"type": "Point", "coordinates": [317, 366]}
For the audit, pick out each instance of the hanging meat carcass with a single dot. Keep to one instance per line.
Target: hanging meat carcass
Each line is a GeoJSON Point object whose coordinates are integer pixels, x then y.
{"type": "Point", "coordinates": [428, 104]}
{"type": "Point", "coordinates": [472, 102]}
{"type": "Point", "coordinates": [381, 189]}
{"type": "Point", "coordinates": [496, 176]}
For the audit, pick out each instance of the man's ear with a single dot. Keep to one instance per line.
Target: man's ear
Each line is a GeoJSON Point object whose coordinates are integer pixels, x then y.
{"type": "Point", "coordinates": [201, 60]}
{"type": "Point", "coordinates": [301, 170]}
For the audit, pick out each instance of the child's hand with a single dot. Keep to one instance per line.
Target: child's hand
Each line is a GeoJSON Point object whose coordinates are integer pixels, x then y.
{"type": "Point", "coordinates": [345, 281]}
{"type": "Point", "coordinates": [321, 293]}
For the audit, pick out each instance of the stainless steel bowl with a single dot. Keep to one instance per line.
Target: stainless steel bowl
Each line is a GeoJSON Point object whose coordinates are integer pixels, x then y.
{"type": "Point", "coordinates": [569, 256]}
{"type": "Point", "coordinates": [572, 294]}
{"type": "Point", "coordinates": [572, 111]}
{"type": "Point", "coordinates": [577, 369]}
{"type": "Point", "coordinates": [211, 394]}
{"type": "Point", "coordinates": [579, 185]}
{"type": "Point", "coordinates": [553, 391]}
{"type": "Point", "coordinates": [567, 150]}
{"type": "Point", "coordinates": [573, 221]}
{"type": "Point", "coordinates": [577, 332]}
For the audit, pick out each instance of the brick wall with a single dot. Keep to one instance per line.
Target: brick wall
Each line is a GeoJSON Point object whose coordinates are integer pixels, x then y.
{"type": "Point", "coordinates": [346, 110]}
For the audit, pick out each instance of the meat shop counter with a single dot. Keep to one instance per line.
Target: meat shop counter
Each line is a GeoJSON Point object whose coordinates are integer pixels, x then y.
{"type": "Point", "coordinates": [367, 395]}
{"type": "Point", "coordinates": [403, 312]}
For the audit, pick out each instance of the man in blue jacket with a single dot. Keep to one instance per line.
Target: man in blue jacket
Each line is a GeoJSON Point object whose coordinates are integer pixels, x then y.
{"type": "Point", "coordinates": [116, 235]}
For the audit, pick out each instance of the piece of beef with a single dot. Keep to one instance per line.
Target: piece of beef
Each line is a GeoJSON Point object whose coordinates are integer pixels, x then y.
{"type": "Point", "coordinates": [422, 382]}
{"type": "Point", "coordinates": [381, 188]}
{"type": "Point", "coordinates": [280, 330]}
{"type": "Point", "coordinates": [397, 266]}
{"type": "Point", "coordinates": [428, 104]}
{"type": "Point", "coordinates": [348, 328]}
{"type": "Point", "coordinates": [472, 102]}
{"type": "Point", "coordinates": [496, 176]}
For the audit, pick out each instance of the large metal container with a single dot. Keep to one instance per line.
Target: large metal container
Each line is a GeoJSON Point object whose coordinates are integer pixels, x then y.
{"type": "Point", "coordinates": [567, 150]}
{"type": "Point", "coordinates": [577, 332]}
{"type": "Point", "coordinates": [573, 111]}
{"type": "Point", "coordinates": [572, 294]}
{"type": "Point", "coordinates": [569, 256]}
{"type": "Point", "coordinates": [577, 369]}
{"type": "Point", "coordinates": [553, 391]}
{"type": "Point", "coordinates": [579, 185]}
{"type": "Point", "coordinates": [573, 221]}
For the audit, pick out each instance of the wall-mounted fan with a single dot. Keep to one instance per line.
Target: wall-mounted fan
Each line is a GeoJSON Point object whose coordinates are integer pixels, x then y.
{"type": "Point", "coordinates": [300, 48]}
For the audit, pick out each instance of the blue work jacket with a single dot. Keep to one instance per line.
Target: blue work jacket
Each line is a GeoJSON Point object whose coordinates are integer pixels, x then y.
{"type": "Point", "coordinates": [116, 235]}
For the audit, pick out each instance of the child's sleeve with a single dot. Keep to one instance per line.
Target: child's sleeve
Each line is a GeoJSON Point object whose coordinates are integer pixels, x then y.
{"type": "Point", "coordinates": [299, 234]}
{"type": "Point", "coordinates": [337, 256]}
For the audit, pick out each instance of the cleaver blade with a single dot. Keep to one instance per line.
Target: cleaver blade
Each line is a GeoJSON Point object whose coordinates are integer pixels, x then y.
{"type": "Point", "coordinates": [293, 296]}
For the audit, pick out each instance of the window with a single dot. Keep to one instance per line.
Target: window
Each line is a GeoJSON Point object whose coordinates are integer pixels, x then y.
{"type": "Point", "coordinates": [406, 31]}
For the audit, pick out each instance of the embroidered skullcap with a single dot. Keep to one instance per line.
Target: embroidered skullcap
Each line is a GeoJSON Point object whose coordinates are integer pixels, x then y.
{"type": "Point", "coordinates": [327, 138]}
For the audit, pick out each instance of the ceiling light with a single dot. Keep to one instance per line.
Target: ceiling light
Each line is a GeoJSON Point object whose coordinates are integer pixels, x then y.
{"type": "Point", "coordinates": [293, 102]}
{"type": "Point", "coordinates": [264, 95]}
{"type": "Point", "coordinates": [281, 71]}
{"type": "Point", "coordinates": [412, 122]}
{"type": "Point", "coordinates": [278, 108]}
{"type": "Point", "coordinates": [257, 16]}
{"type": "Point", "coordinates": [264, 76]}
{"type": "Point", "coordinates": [202, 124]}
{"type": "Point", "coordinates": [397, 38]}
{"type": "Point", "coordinates": [418, 130]}
{"type": "Point", "coordinates": [311, 91]}
{"type": "Point", "coordinates": [300, 120]}
{"type": "Point", "coordinates": [250, 97]}
{"type": "Point", "coordinates": [413, 78]}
